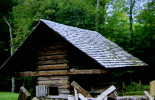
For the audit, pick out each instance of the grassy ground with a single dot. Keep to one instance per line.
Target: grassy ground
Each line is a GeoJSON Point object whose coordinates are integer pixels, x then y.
{"type": "Point", "coordinates": [8, 96]}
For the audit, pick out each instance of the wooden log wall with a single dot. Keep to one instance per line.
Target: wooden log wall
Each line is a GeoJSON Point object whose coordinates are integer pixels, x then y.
{"type": "Point", "coordinates": [54, 58]}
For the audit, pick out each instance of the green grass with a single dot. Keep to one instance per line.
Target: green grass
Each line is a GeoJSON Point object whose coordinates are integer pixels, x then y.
{"type": "Point", "coordinates": [8, 96]}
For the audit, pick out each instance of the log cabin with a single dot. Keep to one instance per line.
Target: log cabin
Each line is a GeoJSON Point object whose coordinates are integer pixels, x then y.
{"type": "Point", "coordinates": [57, 54]}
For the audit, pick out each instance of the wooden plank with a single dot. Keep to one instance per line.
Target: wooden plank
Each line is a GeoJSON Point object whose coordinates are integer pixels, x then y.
{"type": "Point", "coordinates": [41, 90]}
{"type": "Point", "coordinates": [57, 46]}
{"type": "Point", "coordinates": [61, 96]}
{"type": "Point", "coordinates": [24, 94]}
{"type": "Point", "coordinates": [43, 73]}
{"type": "Point", "coordinates": [62, 72]}
{"type": "Point", "coordinates": [148, 96]}
{"type": "Point", "coordinates": [106, 93]}
{"type": "Point", "coordinates": [70, 97]}
{"type": "Point", "coordinates": [87, 71]}
{"type": "Point", "coordinates": [80, 89]}
{"type": "Point", "coordinates": [58, 61]}
{"type": "Point", "coordinates": [63, 91]}
{"type": "Point", "coordinates": [82, 97]}
{"type": "Point", "coordinates": [56, 66]}
{"type": "Point", "coordinates": [53, 78]}
{"type": "Point", "coordinates": [35, 98]}
{"type": "Point", "coordinates": [53, 52]}
{"type": "Point", "coordinates": [152, 88]}
{"type": "Point", "coordinates": [56, 85]}
{"type": "Point", "coordinates": [12, 84]}
{"type": "Point", "coordinates": [76, 94]}
{"type": "Point", "coordinates": [54, 82]}
{"type": "Point", "coordinates": [51, 57]}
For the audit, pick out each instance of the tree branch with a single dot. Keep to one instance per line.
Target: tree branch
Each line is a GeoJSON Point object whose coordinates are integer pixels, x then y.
{"type": "Point", "coordinates": [10, 32]}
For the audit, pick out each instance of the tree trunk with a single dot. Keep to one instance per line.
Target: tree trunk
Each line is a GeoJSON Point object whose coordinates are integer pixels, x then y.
{"type": "Point", "coordinates": [11, 52]}
{"type": "Point", "coordinates": [13, 84]}
{"type": "Point", "coordinates": [132, 3]}
{"type": "Point", "coordinates": [10, 31]}
{"type": "Point", "coordinates": [97, 13]}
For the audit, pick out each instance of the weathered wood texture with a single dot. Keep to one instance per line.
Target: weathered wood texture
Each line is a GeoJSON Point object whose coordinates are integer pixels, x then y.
{"type": "Point", "coordinates": [152, 88]}
{"type": "Point", "coordinates": [51, 57]}
{"type": "Point", "coordinates": [58, 97]}
{"type": "Point", "coordinates": [105, 94]}
{"type": "Point", "coordinates": [42, 58]}
{"type": "Point", "coordinates": [53, 78]}
{"type": "Point", "coordinates": [76, 94]}
{"type": "Point", "coordinates": [53, 82]}
{"type": "Point", "coordinates": [35, 98]}
{"type": "Point", "coordinates": [52, 60]}
{"type": "Point", "coordinates": [23, 94]}
{"type": "Point", "coordinates": [56, 66]}
{"type": "Point", "coordinates": [41, 90]}
{"type": "Point", "coordinates": [71, 97]}
{"type": "Point", "coordinates": [53, 52]}
{"type": "Point", "coordinates": [80, 89]}
{"type": "Point", "coordinates": [148, 96]}
{"type": "Point", "coordinates": [61, 82]}
{"type": "Point", "coordinates": [62, 72]}
{"type": "Point", "coordinates": [57, 61]}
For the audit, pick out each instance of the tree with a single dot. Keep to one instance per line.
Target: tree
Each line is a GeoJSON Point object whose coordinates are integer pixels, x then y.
{"type": "Point", "coordinates": [132, 4]}
{"type": "Point", "coordinates": [5, 8]}
{"type": "Point", "coordinates": [117, 23]}
{"type": "Point", "coordinates": [79, 13]}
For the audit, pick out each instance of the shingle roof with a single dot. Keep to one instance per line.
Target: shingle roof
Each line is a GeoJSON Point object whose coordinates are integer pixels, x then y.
{"type": "Point", "coordinates": [92, 43]}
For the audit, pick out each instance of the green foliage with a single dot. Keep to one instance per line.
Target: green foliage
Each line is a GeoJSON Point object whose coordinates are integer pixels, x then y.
{"type": "Point", "coordinates": [146, 27]}
{"type": "Point", "coordinates": [133, 88]}
{"type": "Point", "coordinates": [72, 12]}
{"type": "Point", "coordinates": [117, 24]}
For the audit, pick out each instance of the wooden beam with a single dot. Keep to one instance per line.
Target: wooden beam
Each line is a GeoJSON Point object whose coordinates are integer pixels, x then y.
{"type": "Point", "coordinates": [58, 46]}
{"type": "Point", "coordinates": [24, 94]}
{"type": "Point", "coordinates": [53, 52]}
{"type": "Point", "coordinates": [76, 94]}
{"type": "Point", "coordinates": [51, 57]}
{"type": "Point", "coordinates": [67, 86]}
{"type": "Point", "coordinates": [65, 82]}
{"type": "Point", "coordinates": [53, 78]}
{"type": "Point", "coordinates": [80, 89]}
{"type": "Point", "coordinates": [71, 97]}
{"type": "Point", "coordinates": [152, 88]}
{"type": "Point", "coordinates": [43, 73]}
{"type": "Point", "coordinates": [62, 72]}
{"type": "Point", "coordinates": [148, 96]}
{"type": "Point", "coordinates": [48, 62]}
{"type": "Point", "coordinates": [106, 93]}
{"type": "Point", "coordinates": [60, 96]}
{"type": "Point", "coordinates": [41, 90]}
{"type": "Point", "coordinates": [87, 71]}
{"type": "Point", "coordinates": [56, 66]}
{"type": "Point", "coordinates": [35, 98]}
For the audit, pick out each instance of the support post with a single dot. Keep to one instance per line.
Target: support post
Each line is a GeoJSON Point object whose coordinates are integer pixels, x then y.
{"type": "Point", "coordinates": [80, 89]}
{"type": "Point", "coordinates": [12, 84]}
{"type": "Point", "coordinates": [76, 94]}
{"type": "Point", "coordinates": [148, 96]}
{"type": "Point", "coordinates": [152, 88]}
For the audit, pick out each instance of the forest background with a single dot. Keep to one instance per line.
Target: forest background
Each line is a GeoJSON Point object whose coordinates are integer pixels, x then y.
{"type": "Point", "coordinates": [129, 23]}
